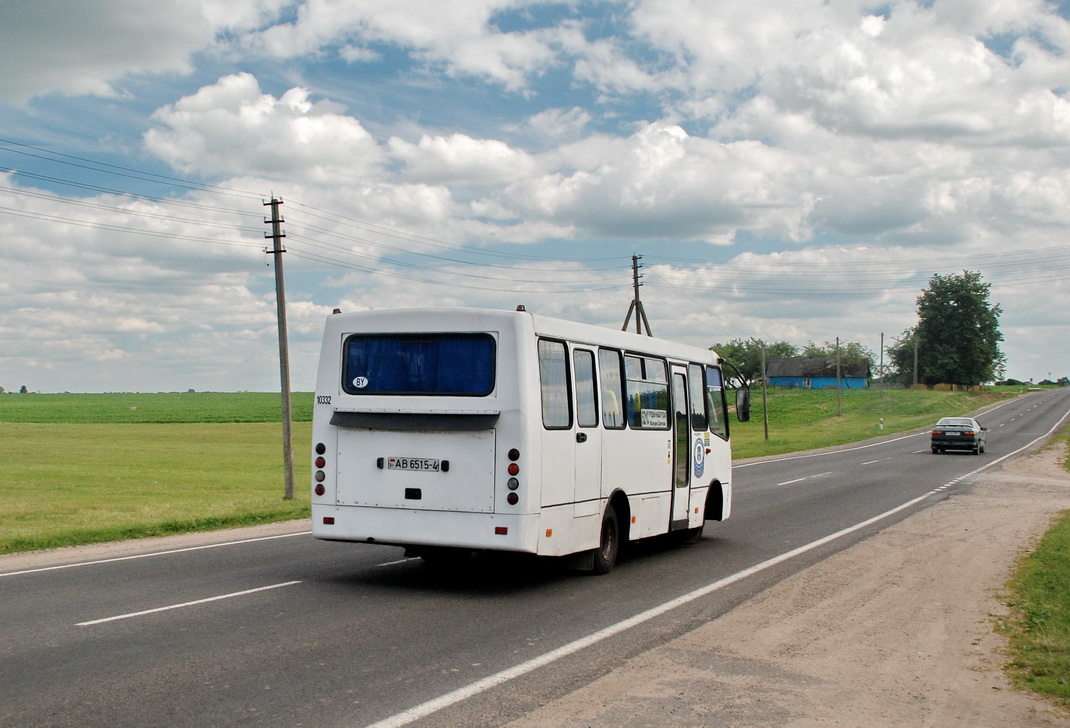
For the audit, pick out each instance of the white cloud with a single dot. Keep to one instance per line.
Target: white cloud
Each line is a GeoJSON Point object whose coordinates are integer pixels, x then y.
{"type": "Point", "coordinates": [460, 159]}
{"type": "Point", "coordinates": [76, 47]}
{"type": "Point", "coordinates": [232, 126]}
{"type": "Point", "coordinates": [460, 36]}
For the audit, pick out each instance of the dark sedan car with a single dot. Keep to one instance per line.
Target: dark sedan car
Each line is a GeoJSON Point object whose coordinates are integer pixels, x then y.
{"type": "Point", "coordinates": [959, 433]}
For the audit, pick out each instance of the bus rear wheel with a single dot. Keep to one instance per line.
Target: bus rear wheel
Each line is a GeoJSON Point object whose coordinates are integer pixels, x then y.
{"type": "Point", "coordinates": [605, 556]}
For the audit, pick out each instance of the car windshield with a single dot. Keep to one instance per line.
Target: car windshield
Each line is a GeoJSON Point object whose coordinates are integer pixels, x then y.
{"type": "Point", "coordinates": [955, 422]}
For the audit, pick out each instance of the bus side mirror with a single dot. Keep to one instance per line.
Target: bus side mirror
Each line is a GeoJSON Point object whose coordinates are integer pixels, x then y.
{"type": "Point", "coordinates": [743, 404]}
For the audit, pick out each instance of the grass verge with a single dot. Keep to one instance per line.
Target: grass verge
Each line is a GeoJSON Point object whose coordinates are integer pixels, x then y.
{"type": "Point", "coordinates": [1038, 627]}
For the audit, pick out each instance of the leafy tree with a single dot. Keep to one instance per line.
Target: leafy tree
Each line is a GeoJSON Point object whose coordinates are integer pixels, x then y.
{"type": "Point", "coordinates": [901, 359]}
{"type": "Point", "coordinates": [957, 333]}
{"type": "Point", "coordinates": [747, 355]}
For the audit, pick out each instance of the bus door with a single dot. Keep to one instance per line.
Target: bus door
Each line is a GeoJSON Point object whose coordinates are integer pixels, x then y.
{"type": "Point", "coordinates": [588, 482]}
{"type": "Point", "coordinates": [681, 450]}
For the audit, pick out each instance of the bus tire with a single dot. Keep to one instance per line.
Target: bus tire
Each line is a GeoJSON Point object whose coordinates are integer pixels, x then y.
{"type": "Point", "coordinates": [605, 556]}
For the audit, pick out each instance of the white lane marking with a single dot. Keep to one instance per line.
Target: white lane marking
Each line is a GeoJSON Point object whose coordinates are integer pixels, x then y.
{"type": "Point", "coordinates": [807, 477]}
{"type": "Point", "coordinates": [405, 560]}
{"type": "Point", "coordinates": [153, 553]}
{"type": "Point", "coordinates": [185, 604]}
{"type": "Point", "coordinates": [882, 460]}
{"type": "Point", "coordinates": [444, 701]}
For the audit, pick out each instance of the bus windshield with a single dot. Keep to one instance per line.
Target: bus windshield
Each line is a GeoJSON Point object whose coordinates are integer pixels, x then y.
{"type": "Point", "coordinates": [437, 364]}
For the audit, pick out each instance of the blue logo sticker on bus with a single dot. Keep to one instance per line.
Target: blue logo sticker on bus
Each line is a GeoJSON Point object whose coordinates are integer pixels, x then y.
{"type": "Point", "coordinates": [699, 457]}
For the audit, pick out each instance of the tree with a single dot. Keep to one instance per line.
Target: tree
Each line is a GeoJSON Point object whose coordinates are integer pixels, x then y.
{"type": "Point", "coordinates": [901, 359]}
{"type": "Point", "coordinates": [747, 355]}
{"type": "Point", "coordinates": [957, 333]}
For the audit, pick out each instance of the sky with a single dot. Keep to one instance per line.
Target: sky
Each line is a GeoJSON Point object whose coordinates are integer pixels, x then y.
{"type": "Point", "coordinates": [787, 171]}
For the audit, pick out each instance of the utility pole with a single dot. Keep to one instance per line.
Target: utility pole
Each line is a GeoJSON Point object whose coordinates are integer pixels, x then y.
{"type": "Point", "coordinates": [765, 397]}
{"type": "Point", "coordinates": [839, 408]}
{"type": "Point", "coordinates": [882, 366]}
{"type": "Point", "coordinates": [636, 305]}
{"type": "Point", "coordinates": [276, 235]}
{"type": "Point", "coordinates": [915, 358]}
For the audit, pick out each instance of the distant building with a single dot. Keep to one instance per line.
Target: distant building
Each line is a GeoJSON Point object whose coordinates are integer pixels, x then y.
{"type": "Point", "coordinates": [816, 372]}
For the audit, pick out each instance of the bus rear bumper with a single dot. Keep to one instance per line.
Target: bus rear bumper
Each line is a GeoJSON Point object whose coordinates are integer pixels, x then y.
{"type": "Point", "coordinates": [406, 527]}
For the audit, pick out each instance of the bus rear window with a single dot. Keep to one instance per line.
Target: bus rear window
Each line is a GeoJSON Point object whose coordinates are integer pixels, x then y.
{"type": "Point", "coordinates": [436, 364]}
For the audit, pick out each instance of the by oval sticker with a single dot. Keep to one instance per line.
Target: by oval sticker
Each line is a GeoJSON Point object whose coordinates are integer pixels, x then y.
{"type": "Point", "coordinates": [360, 382]}
{"type": "Point", "coordinates": [700, 457]}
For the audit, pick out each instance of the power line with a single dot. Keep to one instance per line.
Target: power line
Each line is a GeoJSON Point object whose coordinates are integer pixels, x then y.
{"type": "Point", "coordinates": [117, 170]}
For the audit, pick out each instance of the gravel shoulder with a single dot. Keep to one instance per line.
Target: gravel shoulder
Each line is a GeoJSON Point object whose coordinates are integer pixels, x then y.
{"type": "Point", "coordinates": [895, 631]}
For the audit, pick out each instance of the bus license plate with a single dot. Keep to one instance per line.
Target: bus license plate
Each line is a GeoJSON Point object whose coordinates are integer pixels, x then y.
{"type": "Point", "coordinates": [420, 464]}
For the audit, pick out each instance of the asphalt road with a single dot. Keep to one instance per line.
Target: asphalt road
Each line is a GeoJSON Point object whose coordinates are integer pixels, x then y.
{"type": "Point", "coordinates": [289, 631]}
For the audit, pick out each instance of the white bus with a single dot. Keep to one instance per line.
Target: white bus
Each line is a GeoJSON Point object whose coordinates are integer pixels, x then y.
{"type": "Point", "coordinates": [449, 431]}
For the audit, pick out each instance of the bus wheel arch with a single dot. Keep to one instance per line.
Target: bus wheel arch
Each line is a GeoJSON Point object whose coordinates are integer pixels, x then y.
{"type": "Point", "coordinates": [714, 510]}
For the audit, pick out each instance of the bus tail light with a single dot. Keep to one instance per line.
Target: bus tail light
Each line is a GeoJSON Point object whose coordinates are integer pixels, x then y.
{"type": "Point", "coordinates": [320, 475]}
{"type": "Point", "coordinates": [513, 498]}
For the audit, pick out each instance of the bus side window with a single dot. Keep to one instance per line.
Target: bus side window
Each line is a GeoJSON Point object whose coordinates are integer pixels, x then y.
{"type": "Point", "coordinates": [609, 372]}
{"type": "Point", "coordinates": [648, 392]}
{"type": "Point", "coordinates": [715, 402]}
{"type": "Point", "coordinates": [553, 375]}
{"type": "Point", "coordinates": [696, 393]}
{"type": "Point", "coordinates": [586, 404]}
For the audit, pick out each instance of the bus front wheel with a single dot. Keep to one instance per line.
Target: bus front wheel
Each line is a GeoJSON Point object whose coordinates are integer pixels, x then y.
{"type": "Point", "coordinates": [605, 556]}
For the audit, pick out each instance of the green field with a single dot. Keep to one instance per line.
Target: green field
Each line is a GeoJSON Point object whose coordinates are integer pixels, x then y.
{"type": "Point", "coordinates": [88, 468]}
{"type": "Point", "coordinates": [173, 407]}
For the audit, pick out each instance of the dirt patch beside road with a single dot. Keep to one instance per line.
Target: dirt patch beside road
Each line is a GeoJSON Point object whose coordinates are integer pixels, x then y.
{"type": "Point", "coordinates": [896, 631]}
